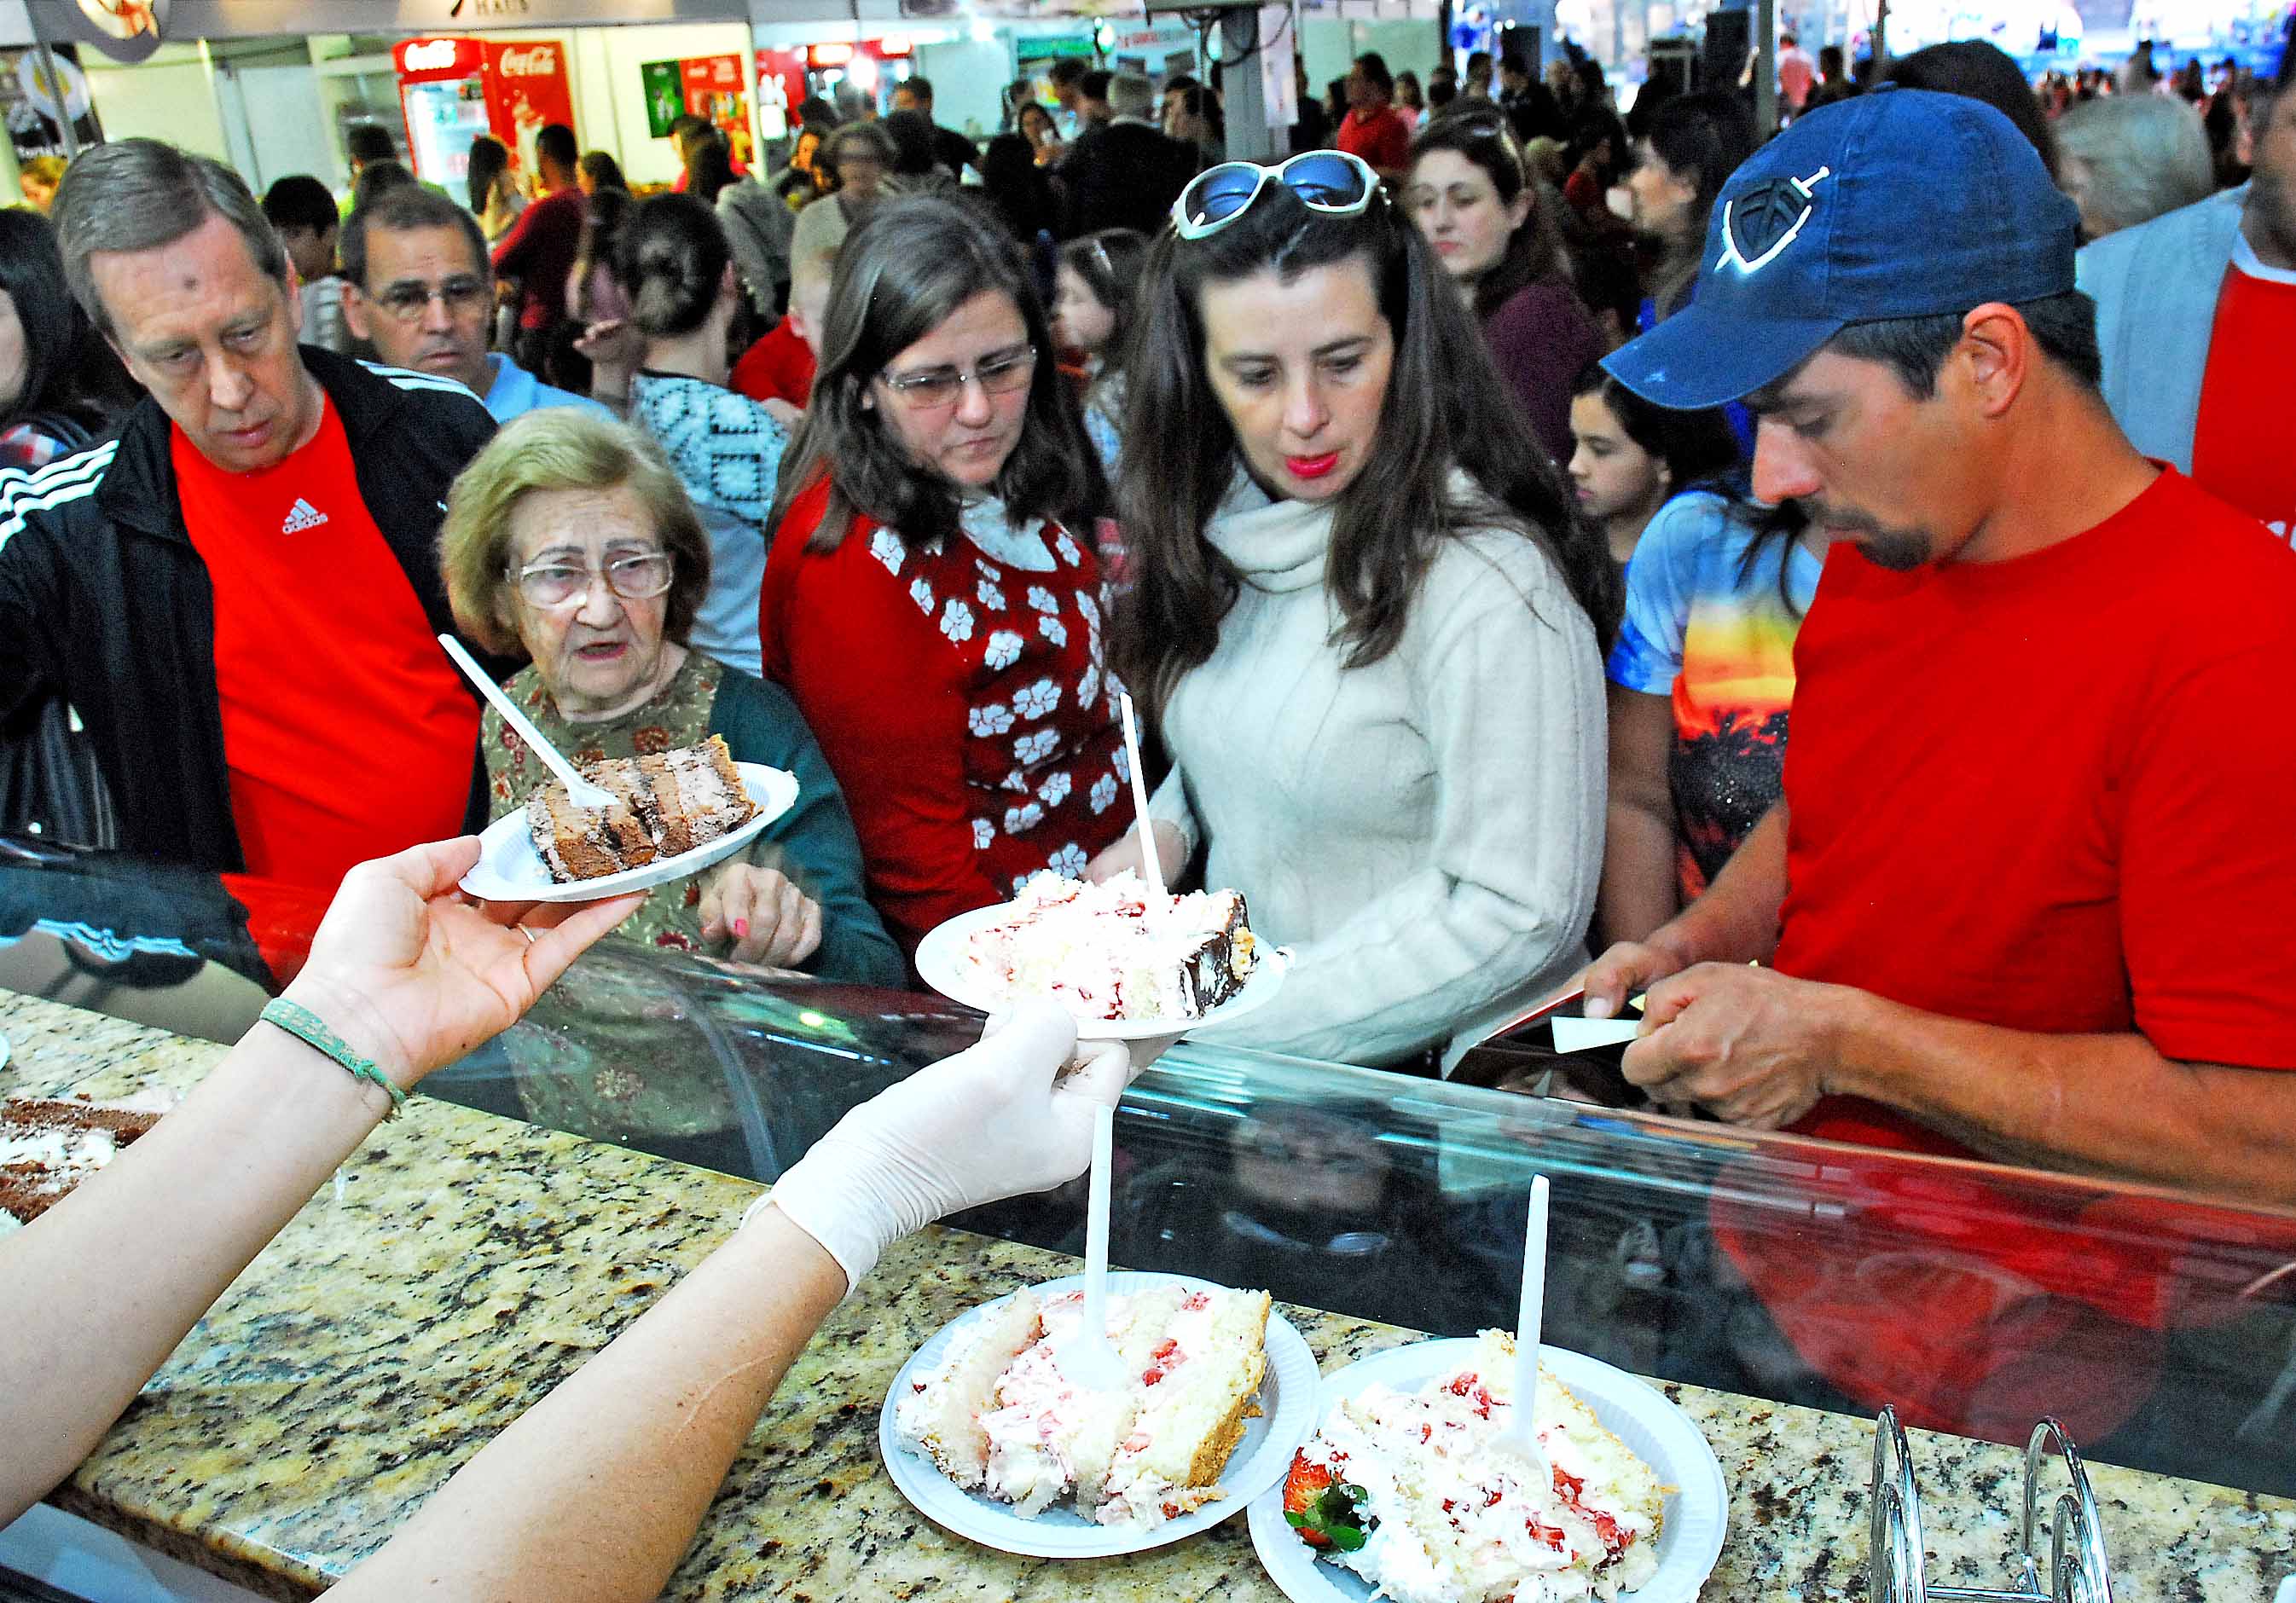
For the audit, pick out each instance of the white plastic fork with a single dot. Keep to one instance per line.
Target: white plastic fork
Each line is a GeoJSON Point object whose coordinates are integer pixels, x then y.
{"type": "Point", "coordinates": [1521, 1437]}
{"type": "Point", "coordinates": [581, 791]}
{"type": "Point", "coordinates": [1091, 1360]}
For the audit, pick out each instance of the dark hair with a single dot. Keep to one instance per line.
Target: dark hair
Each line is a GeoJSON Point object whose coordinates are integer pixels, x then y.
{"type": "Point", "coordinates": [604, 216]}
{"type": "Point", "coordinates": [1441, 91]}
{"type": "Point", "coordinates": [816, 113]}
{"type": "Point", "coordinates": [2063, 325]}
{"type": "Point", "coordinates": [1021, 110]}
{"type": "Point", "coordinates": [300, 201]}
{"type": "Point", "coordinates": [672, 259]}
{"type": "Point", "coordinates": [1110, 262]}
{"type": "Point", "coordinates": [1702, 137]}
{"type": "Point", "coordinates": [912, 133]}
{"type": "Point", "coordinates": [1180, 80]}
{"type": "Point", "coordinates": [1447, 411]}
{"type": "Point", "coordinates": [369, 142]}
{"type": "Point", "coordinates": [1373, 67]}
{"type": "Point", "coordinates": [407, 207]}
{"type": "Point", "coordinates": [688, 126]}
{"type": "Point", "coordinates": [904, 271]}
{"type": "Point", "coordinates": [604, 171]}
{"type": "Point", "coordinates": [1017, 188]}
{"type": "Point", "coordinates": [70, 372]}
{"type": "Point", "coordinates": [489, 160]}
{"type": "Point", "coordinates": [1696, 446]}
{"type": "Point", "coordinates": [708, 166]}
{"type": "Point", "coordinates": [919, 88]}
{"type": "Point", "coordinates": [1068, 69]}
{"type": "Point", "coordinates": [378, 179]}
{"type": "Point", "coordinates": [555, 144]}
{"type": "Point", "coordinates": [1094, 85]}
{"type": "Point", "coordinates": [1979, 70]}
{"type": "Point", "coordinates": [844, 137]}
{"type": "Point", "coordinates": [1480, 133]}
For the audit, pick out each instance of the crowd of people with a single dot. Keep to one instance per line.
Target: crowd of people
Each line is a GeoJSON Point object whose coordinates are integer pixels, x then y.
{"type": "Point", "coordinates": [1469, 504]}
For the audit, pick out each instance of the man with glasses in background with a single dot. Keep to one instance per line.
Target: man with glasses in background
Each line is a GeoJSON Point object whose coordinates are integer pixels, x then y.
{"type": "Point", "coordinates": [239, 593]}
{"type": "Point", "coordinates": [422, 294]}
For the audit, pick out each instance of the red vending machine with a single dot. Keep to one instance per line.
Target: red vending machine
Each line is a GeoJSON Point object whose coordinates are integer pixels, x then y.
{"type": "Point", "coordinates": [453, 89]}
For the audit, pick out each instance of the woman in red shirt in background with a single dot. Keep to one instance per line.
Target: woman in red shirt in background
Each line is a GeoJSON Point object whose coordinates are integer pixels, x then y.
{"type": "Point", "coordinates": [933, 601]}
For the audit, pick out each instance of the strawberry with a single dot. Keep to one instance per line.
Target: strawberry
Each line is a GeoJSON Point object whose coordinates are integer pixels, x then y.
{"type": "Point", "coordinates": [1322, 1511]}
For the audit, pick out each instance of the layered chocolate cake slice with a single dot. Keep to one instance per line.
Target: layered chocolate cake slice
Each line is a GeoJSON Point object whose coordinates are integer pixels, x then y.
{"type": "Point", "coordinates": [664, 804]}
{"type": "Point", "coordinates": [49, 1146]}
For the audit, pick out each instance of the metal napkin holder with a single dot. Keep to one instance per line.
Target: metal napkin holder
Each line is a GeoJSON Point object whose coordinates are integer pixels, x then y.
{"type": "Point", "coordinates": [2075, 1568]}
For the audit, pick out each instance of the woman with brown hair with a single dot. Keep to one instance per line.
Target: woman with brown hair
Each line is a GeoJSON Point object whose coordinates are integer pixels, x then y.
{"type": "Point", "coordinates": [933, 596]}
{"type": "Point", "coordinates": [1365, 619]}
{"type": "Point", "coordinates": [1468, 192]}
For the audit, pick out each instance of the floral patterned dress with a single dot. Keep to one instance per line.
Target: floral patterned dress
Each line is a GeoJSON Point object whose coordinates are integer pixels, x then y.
{"type": "Point", "coordinates": [959, 691]}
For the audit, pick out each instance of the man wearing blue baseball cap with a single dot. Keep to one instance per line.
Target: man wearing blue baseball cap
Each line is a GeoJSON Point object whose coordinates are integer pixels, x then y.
{"type": "Point", "coordinates": [2026, 894]}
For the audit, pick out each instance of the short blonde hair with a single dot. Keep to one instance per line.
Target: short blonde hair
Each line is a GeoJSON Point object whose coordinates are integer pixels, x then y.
{"type": "Point", "coordinates": [560, 448]}
{"type": "Point", "coordinates": [2141, 155]}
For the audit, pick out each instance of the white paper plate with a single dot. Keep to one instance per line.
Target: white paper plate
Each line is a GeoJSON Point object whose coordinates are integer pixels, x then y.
{"type": "Point", "coordinates": [1287, 1402]}
{"type": "Point", "coordinates": [1697, 1511]}
{"type": "Point", "coordinates": [941, 964]}
{"type": "Point", "coordinates": [510, 870]}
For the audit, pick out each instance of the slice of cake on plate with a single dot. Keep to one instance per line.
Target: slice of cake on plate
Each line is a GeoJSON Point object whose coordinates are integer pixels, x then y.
{"type": "Point", "coordinates": [999, 1416]}
{"type": "Point", "coordinates": [665, 802]}
{"type": "Point", "coordinates": [1406, 1490]}
{"type": "Point", "coordinates": [49, 1145]}
{"type": "Point", "coordinates": [1116, 949]}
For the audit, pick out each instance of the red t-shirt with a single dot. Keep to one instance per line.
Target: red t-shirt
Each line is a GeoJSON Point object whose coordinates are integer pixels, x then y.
{"type": "Point", "coordinates": [2049, 794]}
{"type": "Point", "coordinates": [346, 731]}
{"type": "Point", "coordinates": [961, 701]}
{"type": "Point", "coordinates": [2240, 441]}
{"type": "Point", "coordinates": [1381, 139]}
{"type": "Point", "coordinates": [777, 367]}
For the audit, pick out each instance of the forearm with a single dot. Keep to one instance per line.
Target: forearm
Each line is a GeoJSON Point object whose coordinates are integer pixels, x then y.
{"type": "Point", "coordinates": [2108, 1105]}
{"type": "Point", "coordinates": [1736, 921]}
{"type": "Point", "coordinates": [596, 1492]}
{"type": "Point", "coordinates": [173, 1219]}
{"type": "Point", "coordinates": [1640, 888]}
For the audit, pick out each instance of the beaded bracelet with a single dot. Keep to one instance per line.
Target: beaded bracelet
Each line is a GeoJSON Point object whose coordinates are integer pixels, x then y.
{"type": "Point", "coordinates": [310, 1029]}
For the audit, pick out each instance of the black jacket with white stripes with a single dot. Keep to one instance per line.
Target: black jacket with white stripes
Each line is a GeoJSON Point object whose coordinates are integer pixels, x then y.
{"type": "Point", "coordinates": [105, 601]}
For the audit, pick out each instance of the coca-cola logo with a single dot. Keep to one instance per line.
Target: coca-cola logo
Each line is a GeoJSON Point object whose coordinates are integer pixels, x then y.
{"type": "Point", "coordinates": [538, 62]}
{"type": "Point", "coordinates": [429, 56]}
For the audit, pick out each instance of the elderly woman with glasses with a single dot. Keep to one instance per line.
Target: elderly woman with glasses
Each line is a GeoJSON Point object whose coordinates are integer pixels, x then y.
{"type": "Point", "coordinates": [568, 538]}
{"type": "Point", "coordinates": [933, 595]}
{"type": "Point", "coordinates": [1364, 618]}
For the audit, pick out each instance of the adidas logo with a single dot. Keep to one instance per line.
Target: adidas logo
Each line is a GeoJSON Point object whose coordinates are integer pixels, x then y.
{"type": "Point", "coordinates": [305, 516]}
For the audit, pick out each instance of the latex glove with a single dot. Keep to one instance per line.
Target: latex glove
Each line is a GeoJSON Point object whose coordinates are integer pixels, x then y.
{"type": "Point", "coordinates": [766, 919]}
{"type": "Point", "coordinates": [982, 1126]}
{"type": "Point", "coordinates": [412, 974]}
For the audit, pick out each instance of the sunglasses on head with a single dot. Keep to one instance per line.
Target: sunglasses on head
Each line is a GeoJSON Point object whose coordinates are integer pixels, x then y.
{"type": "Point", "coordinates": [1332, 182]}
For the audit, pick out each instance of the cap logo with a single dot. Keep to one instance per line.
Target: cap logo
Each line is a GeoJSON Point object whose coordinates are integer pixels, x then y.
{"type": "Point", "coordinates": [1763, 219]}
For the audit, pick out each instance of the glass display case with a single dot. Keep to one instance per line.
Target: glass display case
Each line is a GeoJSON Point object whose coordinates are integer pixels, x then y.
{"type": "Point", "coordinates": [2160, 1327]}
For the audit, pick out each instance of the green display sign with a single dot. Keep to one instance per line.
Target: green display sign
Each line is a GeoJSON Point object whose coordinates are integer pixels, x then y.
{"type": "Point", "coordinates": [665, 95]}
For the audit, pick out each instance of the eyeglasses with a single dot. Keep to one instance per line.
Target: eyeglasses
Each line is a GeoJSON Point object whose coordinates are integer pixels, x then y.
{"type": "Point", "coordinates": [408, 300]}
{"type": "Point", "coordinates": [1334, 183]}
{"type": "Point", "coordinates": [1001, 373]}
{"type": "Point", "coordinates": [633, 578]}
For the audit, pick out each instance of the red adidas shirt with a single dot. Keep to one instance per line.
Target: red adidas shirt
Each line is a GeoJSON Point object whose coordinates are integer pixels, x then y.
{"type": "Point", "coordinates": [346, 731]}
{"type": "Point", "coordinates": [2049, 794]}
{"type": "Point", "coordinates": [778, 367]}
{"type": "Point", "coordinates": [2240, 441]}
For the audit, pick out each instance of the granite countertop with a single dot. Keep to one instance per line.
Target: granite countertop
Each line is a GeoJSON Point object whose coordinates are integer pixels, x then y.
{"type": "Point", "coordinates": [460, 1265]}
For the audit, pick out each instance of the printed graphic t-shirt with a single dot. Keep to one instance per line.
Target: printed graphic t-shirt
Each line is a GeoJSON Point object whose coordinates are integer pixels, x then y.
{"type": "Point", "coordinates": [346, 731]}
{"type": "Point", "coordinates": [1716, 636]}
{"type": "Point", "coordinates": [2240, 441]}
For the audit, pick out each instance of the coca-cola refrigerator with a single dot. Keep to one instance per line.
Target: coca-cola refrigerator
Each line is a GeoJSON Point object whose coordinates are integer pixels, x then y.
{"type": "Point", "coordinates": [452, 90]}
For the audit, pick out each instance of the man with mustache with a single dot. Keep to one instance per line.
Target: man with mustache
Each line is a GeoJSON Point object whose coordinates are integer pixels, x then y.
{"type": "Point", "coordinates": [2025, 898]}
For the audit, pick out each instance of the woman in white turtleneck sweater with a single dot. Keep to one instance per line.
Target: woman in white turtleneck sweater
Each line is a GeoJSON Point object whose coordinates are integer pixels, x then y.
{"type": "Point", "coordinates": [1365, 620]}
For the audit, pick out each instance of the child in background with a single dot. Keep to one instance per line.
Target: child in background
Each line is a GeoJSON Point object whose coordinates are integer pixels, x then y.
{"type": "Point", "coordinates": [1629, 457]}
{"type": "Point", "coordinates": [1092, 323]}
{"type": "Point", "coordinates": [779, 367]}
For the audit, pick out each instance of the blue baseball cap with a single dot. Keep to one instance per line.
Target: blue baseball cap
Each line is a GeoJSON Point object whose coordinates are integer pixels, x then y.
{"type": "Point", "coordinates": [1900, 203]}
